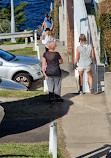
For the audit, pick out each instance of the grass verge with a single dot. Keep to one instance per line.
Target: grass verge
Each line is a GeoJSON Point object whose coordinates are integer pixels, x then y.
{"type": "Point", "coordinates": [20, 94]}
{"type": "Point", "coordinates": [62, 152]}
{"type": "Point", "coordinates": [25, 51]}
{"type": "Point", "coordinates": [12, 150]}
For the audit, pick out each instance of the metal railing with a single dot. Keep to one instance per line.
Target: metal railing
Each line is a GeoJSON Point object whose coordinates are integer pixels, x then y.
{"type": "Point", "coordinates": [95, 7]}
{"type": "Point", "coordinates": [24, 34]}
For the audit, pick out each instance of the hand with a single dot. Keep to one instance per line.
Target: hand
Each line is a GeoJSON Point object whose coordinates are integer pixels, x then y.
{"type": "Point", "coordinates": [41, 37]}
{"type": "Point", "coordinates": [75, 66]}
{"type": "Point", "coordinates": [46, 77]}
{"type": "Point", "coordinates": [51, 29]}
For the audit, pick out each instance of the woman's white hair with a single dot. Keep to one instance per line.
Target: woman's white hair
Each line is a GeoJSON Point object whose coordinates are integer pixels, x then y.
{"type": "Point", "coordinates": [51, 44]}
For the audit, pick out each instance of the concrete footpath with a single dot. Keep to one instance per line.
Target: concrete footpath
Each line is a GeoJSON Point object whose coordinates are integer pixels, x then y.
{"type": "Point", "coordinates": [87, 124]}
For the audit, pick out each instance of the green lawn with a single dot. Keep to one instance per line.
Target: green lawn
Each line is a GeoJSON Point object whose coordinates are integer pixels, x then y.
{"type": "Point", "coordinates": [35, 150]}
{"type": "Point", "coordinates": [10, 43]}
{"type": "Point", "coordinates": [26, 51]}
{"type": "Point", "coordinates": [20, 94]}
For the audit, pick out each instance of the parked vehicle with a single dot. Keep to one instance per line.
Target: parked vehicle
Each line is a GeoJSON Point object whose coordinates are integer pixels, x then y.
{"type": "Point", "coordinates": [6, 84]}
{"type": "Point", "coordinates": [2, 113]}
{"type": "Point", "coordinates": [22, 69]}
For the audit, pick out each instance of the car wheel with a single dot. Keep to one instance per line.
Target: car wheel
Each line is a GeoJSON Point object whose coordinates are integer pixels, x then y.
{"type": "Point", "coordinates": [24, 79]}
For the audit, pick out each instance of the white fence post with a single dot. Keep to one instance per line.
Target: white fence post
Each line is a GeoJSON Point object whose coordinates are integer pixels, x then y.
{"type": "Point", "coordinates": [53, 140]}
{"type": "Point", "coordinates": [36, 45]}
{"type": "Point", "coordinates": [35, 38]}
{"type": "Point", "coordinates": [31, 39]}
{"type": "Point", "coordinates": [26, 39]}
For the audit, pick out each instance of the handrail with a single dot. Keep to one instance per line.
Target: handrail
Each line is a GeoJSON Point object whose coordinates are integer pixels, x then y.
{"type": "Point", "coordinates": [85, 13]}
{"type": "Point", "coordinates": [16, 34]}
{"type": "Point", "coordinates": [95, 6]}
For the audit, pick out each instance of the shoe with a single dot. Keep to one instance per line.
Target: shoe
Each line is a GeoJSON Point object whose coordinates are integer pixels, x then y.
{"type": "Point", "coordinates": [58, 98]}
{"type": "Point", "coordinates": [92, 91]}
{"type": "Point", "coordinates": [80, 92]}
{"type": "Point", "coordinates": [51, 98]}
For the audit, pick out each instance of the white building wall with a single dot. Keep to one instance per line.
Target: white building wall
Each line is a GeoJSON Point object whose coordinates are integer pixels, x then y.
{"type": "Point", "coordinates": [63, 22]}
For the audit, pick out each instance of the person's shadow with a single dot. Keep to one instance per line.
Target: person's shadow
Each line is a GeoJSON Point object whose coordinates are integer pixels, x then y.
{"type": "Point", "coordinates": [29, 114]}
{"type": "Point", "coordinates": [98, 153]}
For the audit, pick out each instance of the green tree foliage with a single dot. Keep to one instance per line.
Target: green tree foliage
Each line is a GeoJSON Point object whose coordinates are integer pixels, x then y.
{"type": "Point", "coordinates": [20, 15]}
{"type": "Point", "coordinates": [4, 26]}
{"type": "Point", "coordinates": [5, 17]}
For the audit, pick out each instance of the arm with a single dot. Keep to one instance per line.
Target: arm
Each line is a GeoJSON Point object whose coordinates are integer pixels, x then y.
{"type": "Point", "coordinates": [77, 58]}
{"type": "Point", "coordinates": [52, 24]}
{"type": "Point", "coordinates": [77, 55]}
{"type": "Point", "coordinates": [42, 26]}
{"type": "Point", "coordinates": [93, 54]}
{"type": "Point", "coordinates": [43, 67]}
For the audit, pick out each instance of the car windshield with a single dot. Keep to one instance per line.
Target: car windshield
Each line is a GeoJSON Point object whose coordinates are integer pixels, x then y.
{"type": "Point", "coordinates": [6, 56]}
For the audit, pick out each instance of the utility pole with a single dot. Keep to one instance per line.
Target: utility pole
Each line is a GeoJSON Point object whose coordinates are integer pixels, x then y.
{"type": "Point", "coordinates": [13, 40]}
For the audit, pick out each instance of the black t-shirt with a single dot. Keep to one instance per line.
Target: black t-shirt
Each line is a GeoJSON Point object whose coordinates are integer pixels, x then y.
{"type": "Point", "coordinates": [52, 60]}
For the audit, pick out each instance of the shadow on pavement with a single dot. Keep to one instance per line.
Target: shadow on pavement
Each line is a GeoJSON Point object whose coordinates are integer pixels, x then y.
{"type": "Point", "coordinates": [64, 73]}
{"type": "Point", "coordinates": [28, 114]}
{"type": "Point", "coordinates": [100, 152]}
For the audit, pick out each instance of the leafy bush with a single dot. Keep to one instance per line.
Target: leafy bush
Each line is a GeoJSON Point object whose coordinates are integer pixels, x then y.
{"type": "Point", "coordinates": [104, 22]}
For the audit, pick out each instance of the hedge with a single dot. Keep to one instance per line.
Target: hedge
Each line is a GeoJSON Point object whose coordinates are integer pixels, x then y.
{"type": "Point", "coordinates": [104, 22]}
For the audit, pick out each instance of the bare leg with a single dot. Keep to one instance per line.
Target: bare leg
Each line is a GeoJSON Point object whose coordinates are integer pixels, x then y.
{"type": "Point", "coordinates": [90, 78]}
{"type": "Point", "coordinates": [81, 77]}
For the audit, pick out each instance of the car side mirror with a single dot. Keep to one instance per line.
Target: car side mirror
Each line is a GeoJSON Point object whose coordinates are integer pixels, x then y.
{"type": "Point", "coordinates": [1, 63]}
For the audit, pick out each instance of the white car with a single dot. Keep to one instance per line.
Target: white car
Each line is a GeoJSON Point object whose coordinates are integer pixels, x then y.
{"type": "Point", "coordinates": [22, 69]}
{"type": "Point", "coordinates": [2, 113]}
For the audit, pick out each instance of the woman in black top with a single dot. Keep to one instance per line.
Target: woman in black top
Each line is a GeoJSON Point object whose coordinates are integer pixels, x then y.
{"type": "Point", "coordinates": [52, 72]}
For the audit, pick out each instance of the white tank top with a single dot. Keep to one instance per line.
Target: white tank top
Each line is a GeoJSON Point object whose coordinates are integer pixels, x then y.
{"type": "Point", "coordinates": [85, 58]}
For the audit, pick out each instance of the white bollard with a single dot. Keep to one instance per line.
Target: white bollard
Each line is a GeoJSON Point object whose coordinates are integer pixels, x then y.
{"type": "Point", "coordinates": [38, 52]}
{"type": "Point", "coordinates": [53, 140]}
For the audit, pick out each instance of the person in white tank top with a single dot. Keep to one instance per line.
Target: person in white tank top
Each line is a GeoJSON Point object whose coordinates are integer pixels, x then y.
{"type": "Point", "coordinates": [84, 58]}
